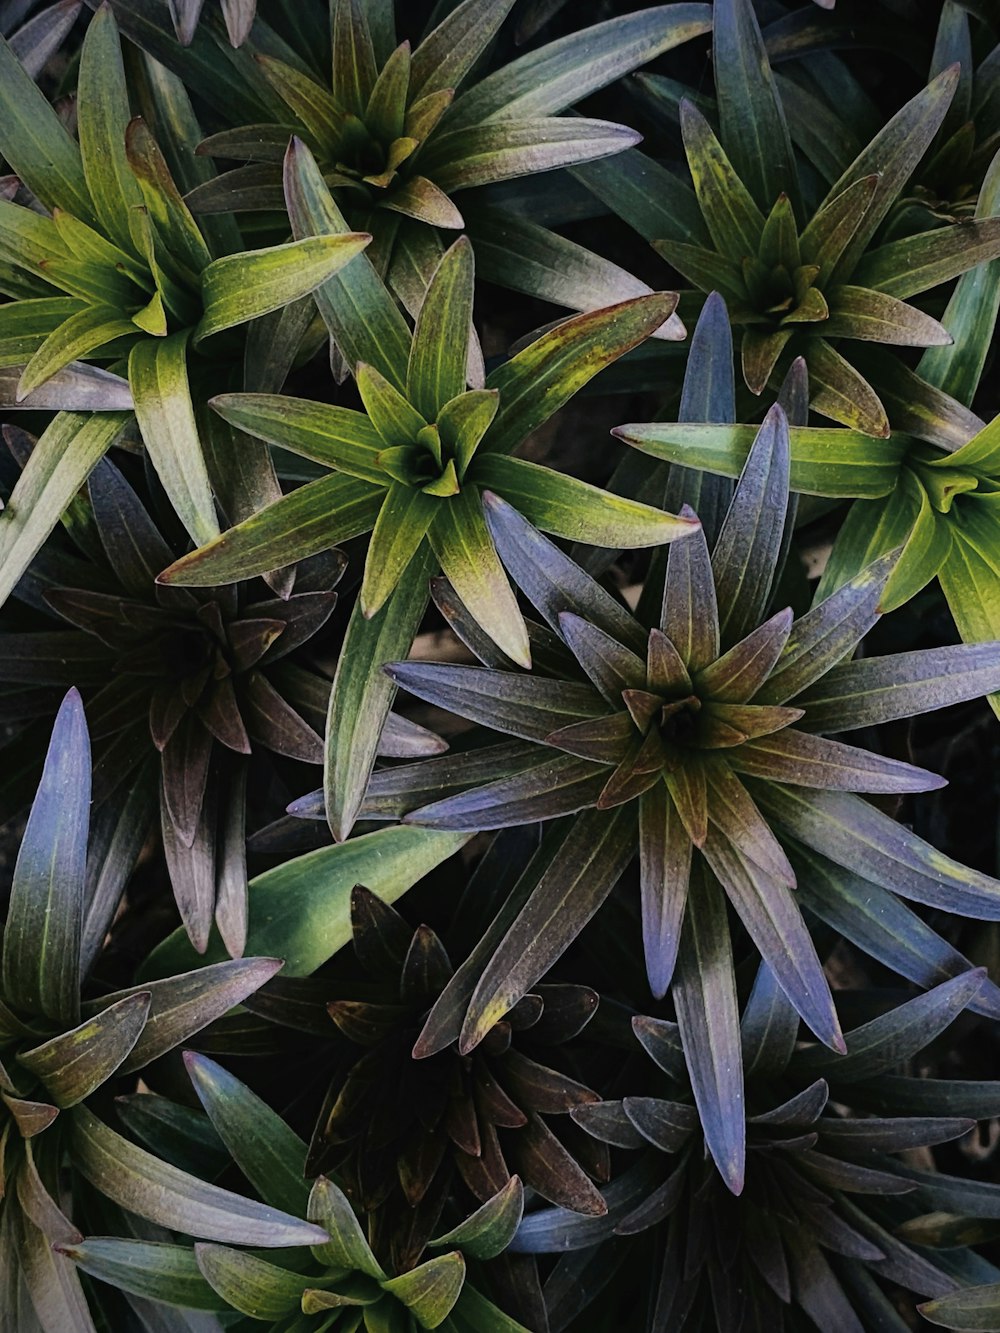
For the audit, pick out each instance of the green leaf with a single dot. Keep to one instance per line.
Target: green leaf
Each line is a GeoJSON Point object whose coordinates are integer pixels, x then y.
{"type": "Point", "coordinates": [241, 287]}
{"type": "Point", "coordinates": [311, 519]}
{"type": "Point", "coordinates": [842, 392]}
{"type": "Point", "coordinates": [159, 380]}
{"type": "Point", "coordinates": [449, 51]}
{"type": "Point", "coordinates": [567, 507]}
{"type": "Point", "coordinates": [860, 312]}
{"type": "Point", "coordinates": [74, 1064]}
{"type": "Point", "coordinates": [392, 413]}
{"type": "Point", "coordinates": [751, 117]}
{"type": "Point", "coordinates": [430, 1291]}
{"type": "Point", "coordinates": [973, 1308]}
{"type": "Point", "coordinates": [300, 911]}
{"type": "Point", "coordinates": [58, 465]}
{"type": "Point", "coordinates": [501, 150]}
{"type": "Point", "coordinates": [489, 1230]}
{"type": "Point", "coordinates": [893, 154]}
{"type": "Point", "coordinates": [402, 523]}
{"type": "Point", "coordinates": [140, 1183]}
{"type": "Point", "coordinates": [312, 105]}
{"type": "Point", "coordinates": [354, 71]}
{"type": "Point", "coordinates": [103, 116]}
{"type": "Point", "coordinates": [916, 263]}
{"type": "Point", "coordinates": [80, 335]}
{"type": "Point", "coordinates": [183, 247]}
{"type": "Point", "coordinates": [463, 545]}
{"type": "Point", "coordinates": [734, 220]}
{"type": "Point", "coordinates": [36, 143]}
{"type": "Point", "coordinates": [270, 1155]}
{"type": "Point", "coordinates": [345, 1246]}
{"type": "Point", "coordinates": [436, 371]}
{"type": "Point", "coordinates": [152, 1270]}
{"type": "Point", "coordinates": [363, 319]}
{"type": "Point", "coordinates": [824, 460]}
{"type": "Point", "coordinates": [540, 379]}
{"type": "Point", "coordinates": [654, 201]}
{"type": "Point", "coordinates": [253, 1286]}
{"type": "Point", "coordinates": [834, 223]}
{"type": "Point", "coordinates": [362, 695]}
{"type": "Point", "coordinates": [970, 316]}
{"type": "Point", "coordinates": [337, 437]}
{"type": "Point", "coordinates": [561, 73]}
{"type": "Point", "coordinates": [41, 943]}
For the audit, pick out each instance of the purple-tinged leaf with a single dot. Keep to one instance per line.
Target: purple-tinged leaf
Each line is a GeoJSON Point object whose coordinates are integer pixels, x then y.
{"type": "Point", "coordinates": [181, 1006]}
{"type": "Point", "coordinates": [738, 674]}
{"type": "Point", "coordinates": [815, 761]}
{"type": "Point", "coordinates": [185, 761]}
{"type": "Point", "coordinates": [537, 1154]}
{"type": "Point", "coordinates": [134, 546]}
{"type": "Point", "coordinates": [604, 739]}
{"type": "Point", "coordinates": [732, 811]}
{"type": "Point", "coordinates": [74, 1064]}
{"type": "Point", "coordinates": [828, 633]}
{"type": "Point", "coordinates": [798, 1112]}
{"type": "Point", "coordinates": [690, 617]}
{"type": "Point", "coordinates": [53, 657]}
{"type": "Point", "coordinates": [41, 945]}
{"type": "Point", "coordinates": [554, 583]}
{"type": "Point", "coordinates": [688, 789]}
{"type": "Point", "coordinates": [140, 1183]}
{"type": "Point", "coordinates": [880, 689]}
{"type": "Point", "coordinates": [394, 792]}
{"type": "Point", "coordinates": [854, 834]}
{"type": "Point", "coordinates": [772, 918]}
{"type": "Point", "coordinates": [558, 786]}
{"type": "Point", "coordinates": [504, 701]}
{"type": "Point", "coordinates": [608, 1122]}
{"type": "Point", "coordinates": [402, 738]}
{"type": "Point", "coordinates": [704, 993]}
{"type": "Point", "coordinates": [611, 666]}
{"type": "Point", "coordinates": [769, 1026]}
{"type": "Point", "coordinates": [192, 870]}
{"type": "Point", "coordinates": [592, 858]}
{"type": "Point", "coordinates": [876, 921]}
{"type": "Point", "coordinates": [746, 553]}
{"type": "Point", "coordinates": [666, 1125]}
{"type": "Point", "coordinates": [151, 1270]}
{"type": "Point", "coordinates": [891, 1039]}
{"type": "Point", "coordinates": [502, 150]}
{"type": "Point", "coordinates": [273, 722]}
{"type": "Point", "coordinates": [893, 1135]}
{"type": "Point", "coordinates": [449, 51]}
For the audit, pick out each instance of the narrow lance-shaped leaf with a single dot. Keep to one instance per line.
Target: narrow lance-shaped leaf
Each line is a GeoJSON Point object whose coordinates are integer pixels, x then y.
{"type": "Point", "coordinates": [139, 1182]}
{"type": "Point", "coordinates": [704, 993]}
{"type": "Point", "coordinates": [41, 945]}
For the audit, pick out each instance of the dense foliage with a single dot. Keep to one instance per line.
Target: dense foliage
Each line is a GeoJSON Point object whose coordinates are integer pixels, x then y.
{"type": "Point", "coordinates": [499, 666]}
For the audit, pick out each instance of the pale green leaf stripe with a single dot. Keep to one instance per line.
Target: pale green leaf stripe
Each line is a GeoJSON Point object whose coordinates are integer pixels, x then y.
{"type": "Point", "coordinates": [362, 693]}
{"type": "Point", "coordinates": [60, 463]}
{"type": "Point", "coordinates": [104, 114]}
{"type": "Point", "coordinates": [301, 911]}
{"type": "Point", "coordinates": [310, 519]}
{"type": "Point", "coordinates": [337, 437]}
{"type": "Point", "coordinates": [568, 507]}
{"type": "Point", "coordinates": [564, 71]}
{"type": "Point", "coordinates": [237, 288]}
{"type": "Point", "coordinates": [36, 144]}
{"type": "Point", "coordinates": [79, 336]}
{"type": "Point", "coordinates": [357, 307]}
{"type": "Point", "coordinates": [142, 1184]}
{"type": "Point", "coordinates": [157, 371]}
{"type": "Point", "coordinates": [825, 461]}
